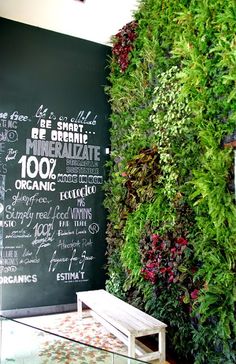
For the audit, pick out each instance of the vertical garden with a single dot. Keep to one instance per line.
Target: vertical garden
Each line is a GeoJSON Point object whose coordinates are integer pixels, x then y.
{"type": "Point", "coordinates": [170, 194]}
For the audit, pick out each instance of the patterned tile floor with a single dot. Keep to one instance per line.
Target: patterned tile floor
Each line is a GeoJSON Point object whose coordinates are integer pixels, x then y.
{"type": "Point", "coordinates": [23, 345]}
{"type": "Point", "coordinates": [87, 331]}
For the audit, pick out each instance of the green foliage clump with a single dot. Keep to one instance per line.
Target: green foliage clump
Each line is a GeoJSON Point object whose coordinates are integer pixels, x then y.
{"type": "Point", "coordinates": [172, 107]}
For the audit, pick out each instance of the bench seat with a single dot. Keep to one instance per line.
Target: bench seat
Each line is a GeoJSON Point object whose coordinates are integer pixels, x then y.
{"type": "Point", "coordinates": [125, 321]}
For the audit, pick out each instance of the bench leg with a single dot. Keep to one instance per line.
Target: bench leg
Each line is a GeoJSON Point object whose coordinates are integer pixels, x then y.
{"type": "Point", "coordinates": [162, 345]}
{"type": "Point", "coordinates": [79, 309]}
{"type": "Point", "coordinates": [131, 346]}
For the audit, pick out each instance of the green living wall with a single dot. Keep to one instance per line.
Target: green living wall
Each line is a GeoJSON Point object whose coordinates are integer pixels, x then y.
{"type": "Point", "coordinates": [170, 196]}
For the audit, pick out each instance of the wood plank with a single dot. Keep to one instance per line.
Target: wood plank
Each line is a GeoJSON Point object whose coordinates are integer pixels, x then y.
{"type": "Point", "coordinates": [150, 356]}
{"type": "Point", "coordinates": [133, 311]}
{"type": "Point", "coordinates": [106, 298]}
{"type": "Point", "coordinates": [162, 344]}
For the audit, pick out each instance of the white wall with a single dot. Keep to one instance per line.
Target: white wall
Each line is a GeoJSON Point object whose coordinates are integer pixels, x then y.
{"type": "Point", "coordinates": [95, 20]}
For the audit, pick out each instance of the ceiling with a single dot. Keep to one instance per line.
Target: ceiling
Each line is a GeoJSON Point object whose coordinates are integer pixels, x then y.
{"type": "Point", "coordinates": [95, 20]}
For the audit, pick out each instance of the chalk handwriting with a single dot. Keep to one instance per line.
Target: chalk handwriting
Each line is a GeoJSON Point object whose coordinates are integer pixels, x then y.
{"type": "Point", "coordinates": [11, 154]}
{"type": "Point", "coordinates": [29, 201]}
{"type": "Point", "coordinates": [78, 262]}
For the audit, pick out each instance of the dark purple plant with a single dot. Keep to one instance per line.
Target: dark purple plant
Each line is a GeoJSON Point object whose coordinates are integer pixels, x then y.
{"type": "Point", "coordinates": [161, 257]}
{"type": "Point", "coordinates": [123, 44]}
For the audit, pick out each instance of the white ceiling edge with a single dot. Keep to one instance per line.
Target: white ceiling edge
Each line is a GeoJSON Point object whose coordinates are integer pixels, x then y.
{"type": "Point", "coordinates": [94, 20]}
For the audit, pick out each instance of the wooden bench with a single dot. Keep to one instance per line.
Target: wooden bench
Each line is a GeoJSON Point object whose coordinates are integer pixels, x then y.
{"type": "Point", "coordinates": [125, 321]}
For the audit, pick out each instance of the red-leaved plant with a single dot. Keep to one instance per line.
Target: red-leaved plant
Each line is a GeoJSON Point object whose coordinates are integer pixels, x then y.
{"type": "Point", "coordinates": [161, 257]}
{"type": "Point", "coordinates": [164, 264]}
{"type": "Point", "coordinates": [123, 44]}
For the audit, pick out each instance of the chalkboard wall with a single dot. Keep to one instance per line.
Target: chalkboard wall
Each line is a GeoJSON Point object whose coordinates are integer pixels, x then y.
{"type": "Point", "coordinates": [53, 147]}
